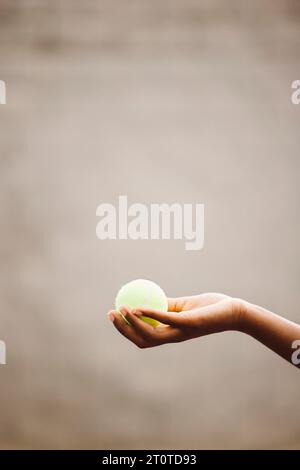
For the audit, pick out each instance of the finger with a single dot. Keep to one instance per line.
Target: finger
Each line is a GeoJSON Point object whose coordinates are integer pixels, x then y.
{"type": "Point", "coordinates": [168, 334]}
{"type": "Point", "coordinates": [205, 320]}
{"type": "Point", "coordinates": [124, 310]}
{"type": "Point", "coordinates": [187, 303]}
{"type": "Point", "coordinates": [168, 318]}
{"type": "Point", "coordinates": [125, 329]}
{"type": "Point", "coordinates": [142, 328]}
{"type": "Point", "coordinates": [155, 336]}
{"type": "Point", "coordinates": [194, 301]}
{"type": "Point", "coordinates": [152, 335]}
{"type": "Point", "coordinates": [176, 304]}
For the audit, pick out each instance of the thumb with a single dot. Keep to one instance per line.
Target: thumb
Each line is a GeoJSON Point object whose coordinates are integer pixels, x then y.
{"type": "Point", "coordinates": [168, 318]}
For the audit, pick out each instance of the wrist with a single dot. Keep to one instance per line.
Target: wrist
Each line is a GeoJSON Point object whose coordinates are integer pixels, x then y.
{"type": "Point", "coordinates": [250, 317]}
{"type": "Point", "coordinates": [241, 310]}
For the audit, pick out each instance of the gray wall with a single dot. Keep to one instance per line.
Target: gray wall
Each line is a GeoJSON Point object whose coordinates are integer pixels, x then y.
{"type": "Point", "coordinates": [184, 101]}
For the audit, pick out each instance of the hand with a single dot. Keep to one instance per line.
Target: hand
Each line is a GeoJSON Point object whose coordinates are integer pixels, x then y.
{"type": "Point", "coordinates": [187, 318]}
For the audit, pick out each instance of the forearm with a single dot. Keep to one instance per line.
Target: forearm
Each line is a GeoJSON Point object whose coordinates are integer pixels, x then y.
{"type": "Point", "coordinates": [275, 332]}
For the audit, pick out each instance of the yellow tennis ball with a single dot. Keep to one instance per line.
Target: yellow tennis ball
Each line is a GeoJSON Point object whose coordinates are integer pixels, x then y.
{"type": "Point", "coordinates": [142, 293]}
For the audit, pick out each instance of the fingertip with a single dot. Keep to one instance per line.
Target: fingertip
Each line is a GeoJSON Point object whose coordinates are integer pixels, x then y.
{"type": "Point", "coordinates": [137, 313]}
{"type": "Point", "coordinates": [124, 307]}
{"type": "Point", "coordinates": [124, 310]}
{"type": "Point", "coordinates": [120, 322]}
{"type": "Point", "coordinates": [111, 316]}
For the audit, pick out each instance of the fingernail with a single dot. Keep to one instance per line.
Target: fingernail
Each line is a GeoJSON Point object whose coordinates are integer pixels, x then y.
{"type": "Point", "coordinates": [111, 317]}
{"type": "Point", "coordinates": [123, 311]}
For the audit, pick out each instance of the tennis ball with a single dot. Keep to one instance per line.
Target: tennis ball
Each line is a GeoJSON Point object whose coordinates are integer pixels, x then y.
{"type": "Point", "coordinates": [142, 293]}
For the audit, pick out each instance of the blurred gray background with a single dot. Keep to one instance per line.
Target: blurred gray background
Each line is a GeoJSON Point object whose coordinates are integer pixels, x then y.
{"type": "Point", "coordinates": [163, 101]}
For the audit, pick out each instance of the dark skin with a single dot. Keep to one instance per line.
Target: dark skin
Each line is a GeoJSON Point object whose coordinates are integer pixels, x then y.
{"type": "Point", "coordinates": [204, 314]}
